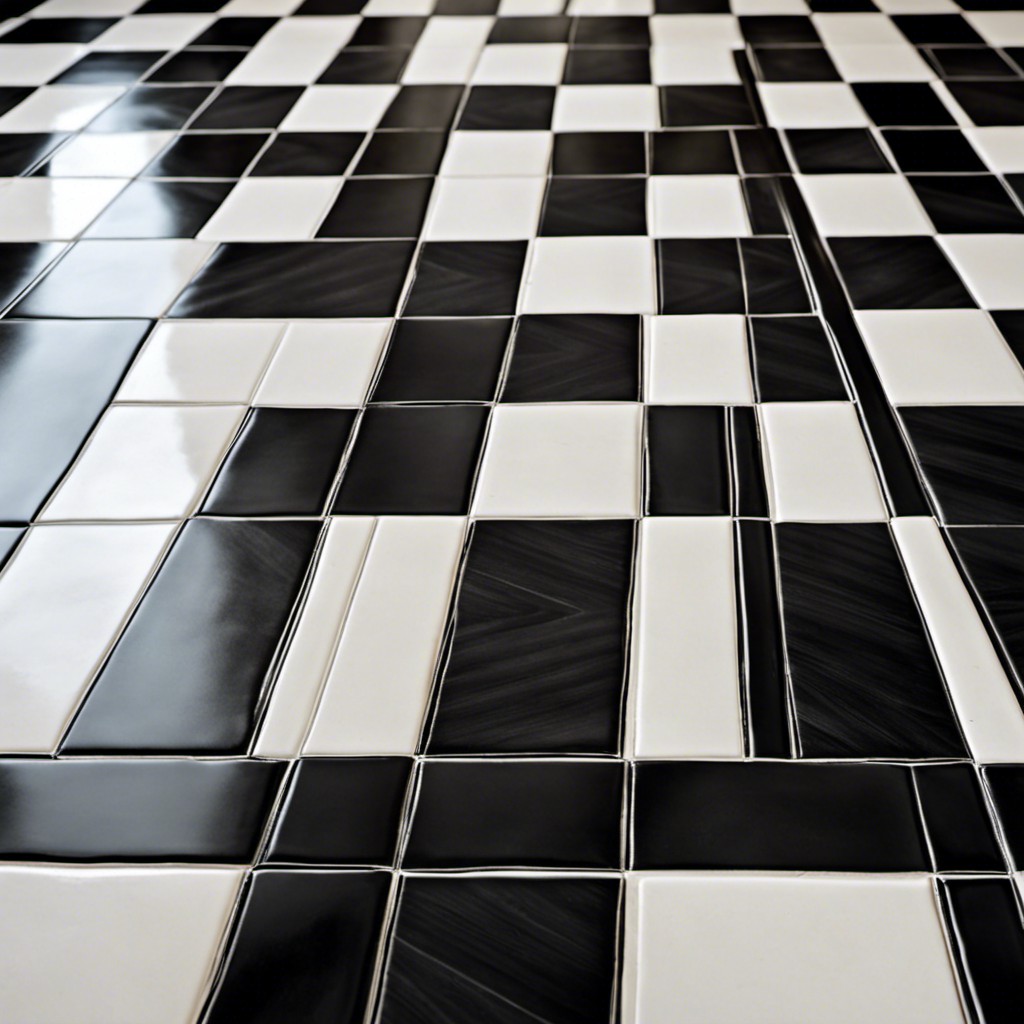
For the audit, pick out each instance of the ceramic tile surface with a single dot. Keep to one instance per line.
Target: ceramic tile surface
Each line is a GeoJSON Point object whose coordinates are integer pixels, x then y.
{"type": "Point", "coordinates": [512, 510]}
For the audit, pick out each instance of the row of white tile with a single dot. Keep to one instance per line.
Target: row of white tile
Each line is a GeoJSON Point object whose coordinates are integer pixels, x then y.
{"type": "Point", "coordinates": [138, 945]}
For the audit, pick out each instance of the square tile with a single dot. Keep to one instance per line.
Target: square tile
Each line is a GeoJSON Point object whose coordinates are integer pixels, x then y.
{"type": "Point", "coordinates": [818, 105]}
{"type": "Point", "coordinates": [43, 208]}
{"type": "Point", "coordinates": [697, 360]}
{"type": "Point", "coordinates": [864, 204]}
{"type": "Point", "coordinates": [518, 64]}
{"type": "Point", "coordinates": [339, 108]}
{"type": "Point", "coordinates": [702, 206]}
{"type": "Point", "coordinates": [988, 263]}
{"type": "Point", "coordinates": [496, 154]}
{"type": "Point", "coordinates": [477, 209]}
{"type": "Point", "coordinates": [271, 210]}
{"type": "Point", "coordinates": [605, 108]}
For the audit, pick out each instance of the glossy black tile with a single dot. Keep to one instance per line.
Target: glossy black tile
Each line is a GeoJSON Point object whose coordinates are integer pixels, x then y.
{"type": "Point", "coordinates": [160, 209]}
{"type": "Point", "coordinates": [700, 275]}
{"type": "Point", "coordinates": [687, 461]}
{"type": "Point", "coordinates": [778, 28]}
{"type": "Point", "coordinates": [502, 950]}
{"type": "Point", "coordinates": [861, 668]}
{"type": "Point", "coordinates": [1006, 784]}
{"type": "Point", "coordinates": [282, 463]}
{"type": "Point", "coordinates": [197, 66]}
{"type": "Point", "coordinates": [923, 150]}
{"type": "Point", "coordinates": [508, 108]}
{"type": "Point", "coordinates": [554, 814]}
{"type": "Point", "coordinates": [304, 948]}
{"type": "Point", "coordinates": [59, 30]}
{"type": "Point", "coordinates": [773, 280]}
{"type": "Point", "coordinates": [247, 106]}
{"type": "Point", "coordinates": [109, 68]}
{"type": "Point", "coordinates": [690, 106]}
{"type": "Point", "coordinates": [152, 108]}
{"type": "Point", "coordinates": [538, 655]}
{"type": "Point", "coordinates": [973, 204]}
{"type": "Point", "coordinates": [423, 106]}
{"type": "Point", "coordinates": [604, 30]}
{"type": "Point", "coordinates": [56, 378]}
{"type": "Point", "coordinates": [793, 361]}
{"type": "Point", "coordinates": [378, 208]}
{"type": "Point", "coordinates": [443, 361]}
{"type": "Point", "coordinates": [574, 358]}
{"type": "Point", "coordinates": [341, 811]}
{"type": "Point", "coordinates": [776, 817]}
{"type": "Point", "coordinates": [298, 279]}
{"type": "Point", "coordinates": [606, 65]}
{"type": "Point", "coordinates": [836, 151]}
{"type": "Point", "coordinates": [749, 495]}
{"type": "Point", "coordinates": [763, 209]}
{"type": "Point", "coordinates": [207, 155]}
{"type": "Point", "coordinates": [583, 153]}
{"type": "Point", "coordinates": [682, 152]}
{"type": "Point", "coordinates": [936, 28]}
{"type": "Point", "coordinates": [413, 460]}
{"type": "Point", "coordinates": [554, 29]}
{"type": "Point", "coordinates": [20, 153]}
{"type": "Point", "coordinates": [595, 206]}
{"type": "Point", "coordinates": [795, 64]}
{"type": "Point", "coordinates": [466, 279]}
{"type": "Point", "coordinates": [235, 31]}
{"type": "Point", "coordinates": [135, 810]}
{"type": "Point", "coordinates": [894, 272]}
{"type": "Point", "coordinates": [959, 829]}
{"type": "Point", "coordinates": [971, 457]}
{"type": "Point", "coordinates": [970, 62]}
{"type": "Point", "coordinates": [21, 263]}
{"type": "Point", "coordinates": [400, 31]}
{"type": "Point", "coordinates": [407, 152]}
{"type": "Point", "coordinates": [308, 154]}
{"type": "Point", "coordinates": [1011, 323]}
{"type": "Point", "coordinates": [189, 670]}
{"type": "Point", "coordinates": [11, 96]}
{"type": "Point", "coordinates": [761, 152]}
{"type": "Point", "coordinates": [902, 103]}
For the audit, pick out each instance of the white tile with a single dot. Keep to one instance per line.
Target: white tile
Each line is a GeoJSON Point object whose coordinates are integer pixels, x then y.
{"type": "Point", "coordinates": [469, 209]}
{"type": "Point", "coordinates": [38, 209]}
{"type": "Point", "coordinates": [63, 598]}
{"type": "Point", "coordinates": [591, 274]}
{"type": "Point", "coordinates": [918, 6]}
{"type": "Point", "coordinates": [697, 360]}
{"type": "Point", "coordinates": [339, 108]}
{"type": "Point", "coordinates": [856, 28]}
{"type": "Point", "coordinates": [811, 105]}
{"type": "Point", "coordinates": [111, 945]}
{"type": "Point", "coordinates": [272, 210]}
{"type": "Point", "coordinates": [440, 65]}
{"type": "Point", "coordinates": [1001, 148]}
{"type": "Point", "coordinates": [259, 8]}
{"type": "Point", "coordinates": [697, 206]}
{"type": "Point", "coordinates": [37, 63]}
{"type": "Point", "coordinates": [899, 62]}
{"type": "Point", "coordinates": [818, 464]}
{"type": "Point", "coordinates": [456, 32]}
{"type": "Point", "coordinates": [521, 64]}
{"type": "Point", "coordinates": [570, 460]}
{"type": "Point", "coordinates": [59, 108]}
{"type": "Point", "coordinates": [864, 204]}
{"type": "Point", "coordinates": [152, 32]}
{"type": "Point", "coordinates": [744, 7]}
{"type": "Point", "coordinates": [99, 155]}
{"type": "Point", "coordinates": [605, 108]}
{"type": "Point", "coordinates": [497, 154]}
{"type": "Point", "coordinates": [324, 363]}
{"type": "Point", "coordinates": [731, 948]}
{"type": "Point", "coordinates": [379, 684]}
{"type": "Point", "coordinates": [201, 361]}
{"type": "Point", "coordinates": [298, 687]}
{"type": "Point", "coordinates": [990, 266]}
{"type": "Point", "coordinates": [984, 699]}
{"type": "Point", "coordinates": [712, 64]}
{"type": "Point", "coordinates": [998, 28]}
{"type": "Point", "coordinates": [145, 462]}
{"type": "Point", "coordinates": [605, 8]}
{"type": "Point", "coordinates": [939, 357]}
{"type": "Point", "coordinates": [719, 30]}
{"type": "Point", "coordinates": [294, 52]}
{"type": "Point", "coordinates": [684, 670]}
{"type": "Point", "coordinates": [86, 8]}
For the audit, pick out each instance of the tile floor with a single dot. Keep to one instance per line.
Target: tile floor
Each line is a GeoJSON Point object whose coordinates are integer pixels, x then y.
{"type": "Point", "coordinates": [511, 511]}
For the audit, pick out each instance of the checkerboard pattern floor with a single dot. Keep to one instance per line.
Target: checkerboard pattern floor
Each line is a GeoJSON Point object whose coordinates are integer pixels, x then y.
{"type": "Point", "coordinates": [511, 511]}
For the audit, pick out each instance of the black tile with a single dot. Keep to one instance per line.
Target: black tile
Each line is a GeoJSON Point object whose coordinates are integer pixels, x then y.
{"type": "Point", "coordinates": [341, 811]}
{"type": "Point", "coordinates": [152, 108]}
{"type": "Point", "coordinates": [599, 153]}
{"type": "Point", "coordinates": [959, 829]}
{"type": "Point", "coordinates": [56, 378]}
{"type": "Point", "coordinates": [774, 283]}
{"type": "Point", "coordinates": [595, 206]}
{"type": "Point", "coordinates": [988, 935]}
{"type": "Point", "coordinates": [967, 204]}
{"type": "Point", "coordinates": [413, 460]}
{"type": "Point", "coordinates": [530, 30]}
{"type": "Point", "coordinates": [761, 151]}
{"type": "Point", "coordinates": [687, 461]}
{"type": "Point", "coordinates": [575, 358]}
{"type": "Point", "coordinates": [466, 7]}
{"type": "Point", "coordinates": [330, 7]}
{"type": "Point", "coordinates": [554, 814]}
{"type": "Point", "coordinates": [248, 106]}
{"type": "Point", "coordinates": [923, 150]}
{"type": "Point", "coordinates": [114, 68]}
{"type": "Point", "coordinates": [308, 153]}
{"type": "Point", "coordinates": [10, 537]}
{"type": "Point", "coordinates": [365, 66]}
{"type": "Point", "coordinates": [466, 279]}
{"type": "Point", "coordinates": [298, 279]}
{"type": "Point", "coordinates": [777, 817]}
{"type": "Point", "coordinates": [408, 152]}
{"type": "Point", "coordinates": [235, 32]}
{"type": "Point", "coordinates": [160, 209]}
{"type": "Point", "coordinates": [749, 496]}
{"type": "Point", "coordinates": [970, 62]}
{"type": "Point", "coordinates": [443, 361]}
{"type": "Point", "coordinates": [936, 28]}
{"type": "Point", "coordinates": [1011, 323]}
{"type": "Point", "coordinates": [794, 362]}
{"type": "Point", "coordinates": [766, 29]}
{"type": "Point", "coordinates": [189, 669]}
{"type": "Point", "coordinates": [21, 152]}
{"type": "Point", "coordinates": [304, 948]}
{"type": "Point", "coordinates": [902, 103]}
{"type": "Point", "coordinates": [11, 96]}
{"type": "Point", "coordinates": [378, 208]}
{"type": "Point", "coordinates": [700, 275]}
{"type": "Point", "coordinates": [1006, 784]}
{"type": "Point", "coordinates": [508, 108]}
{"type": "Point", "coordinates": [971, 457]}
{"type": "Point", "coordinates": [402, 32]}
{"type": "Point", "coordinates": [620, 65]}
{"type": "Point", "coordinates": [836, 151]}
{"type": "Point", "coordinates": [795, 64]}
{"type": "Point", "coordinates": [1016, 182]}
{"type": "Point", "coordinates": [59, 30]}
{"type": "Point", "coordinates": [146, 810]}
{"type": "Point", "coordinates": [21, 263]}
{"type": "Point", "coordinates": [692, 153]}
{"type": "Point", "coordinates": [502, 950]}
{"type": "Point", "coordinates": [841, 6]}
{"type": "Point", "coordinates": [198, 66]}
{"type": "Point", "coordinates": [897, 272]}
{"type": "Point", "coordinates": [282, 463]}
{"type": "Point", "coordinates": [423, 106]}
{"type": "Point", "coordinates": [538, 655]}
{"type": "Point", "coordinates": [206, 155]}
{"type": "Point", "coordinates": [863, 677]}
{"type": "Point", "coordinates": [761, 197]}
{"type": "Point", "coordinates": [611, 31]}
{"type": "Point", "coordinates": [690, 106]}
